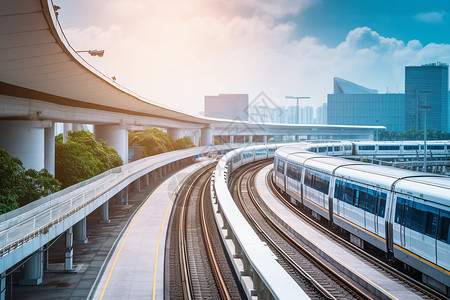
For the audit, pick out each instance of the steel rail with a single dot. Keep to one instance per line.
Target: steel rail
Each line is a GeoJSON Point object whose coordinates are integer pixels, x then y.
{"type": "Point", "coordinates": [337, 277]}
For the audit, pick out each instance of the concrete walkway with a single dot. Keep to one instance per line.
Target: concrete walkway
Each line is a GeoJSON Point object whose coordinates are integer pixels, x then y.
{"type": "Point", "coordinates": [136, 269]}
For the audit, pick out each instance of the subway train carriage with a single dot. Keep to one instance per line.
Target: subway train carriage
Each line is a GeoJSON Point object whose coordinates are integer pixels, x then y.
{"type": "Point", "coordinates": [404, 213]}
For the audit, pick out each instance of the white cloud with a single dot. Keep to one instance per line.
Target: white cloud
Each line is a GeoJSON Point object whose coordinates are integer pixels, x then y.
{"type": "Point", "coordinates": [431, 17]}
{"type": "Point", "coordinates": [177, 57]}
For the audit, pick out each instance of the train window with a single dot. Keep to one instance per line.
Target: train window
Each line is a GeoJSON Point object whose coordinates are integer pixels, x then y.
{"type": "Point", "coordinates": [366, 147]}
{"type": "Point", "coordinates": [435, 147]}
{"type": "Point", "coordinates": [280, 166]}
{"type": "Point", "coordinates": [317, 181]}
{"type": "Point", "coordinates": [424, 219]}
{"type": "Point", "coordinates": [322, 149]}
{"type": "Point", "coordinates": [400, 211]}
{"type": "Point", "coordinates": [338, 189]}
{"type": "Point", "coordinates": [330, 149]}
{"type": "Point", "coordinates": [387, 148]}
{"type": "Point", "coordinates": [381, 203]}
{"type": "Point", "coordinates": [444, 226]}
{"type": "Point", "coordinates": [348, 193]}
{"type": "Point", "coordinates": [347, 148]}
{"type": "Point", "coordinates": [293, 172]}
{"type": "Point", "coordinates": [408, 147]}
{"type": "Point", "coordinates": [371, 202]}
{"type": "Point", "coordinates": [337, 148]}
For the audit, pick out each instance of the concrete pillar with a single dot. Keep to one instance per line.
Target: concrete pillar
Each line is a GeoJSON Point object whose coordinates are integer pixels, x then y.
{"type": "Point", "coordinates": [265, 139]}
{"type": "Point", "coordinates": [79, 232]}
{"type": "Point", "coordinates": [115, 136]}
{"type": "Point", "coordinates": [147, 179]}
{"type": "Point", "coordinates": [175, 133]}
{"type": "Point", "coordinates": [125, 196]}
{"type": "Point", "coordinates": [137, 185]}
{"type": "Point", "coordinates": [34, 270]}
{"type": "Point", "coordinates": [207, 137]}
{"type": "Point", "coordinates": [68, 262]}
{"type": "Point", "coordinates": [49, 149]}
{"type": "Point", "coordinates": [250, 139]}
{"type": "Point", "coordinates": [231, 139]}
{"type": "Point", "coordinates": [104, 213]}
{"type": "Point", "coordinates": [25, 140]}
{"type": "Point", "coordinates": [66, 128]}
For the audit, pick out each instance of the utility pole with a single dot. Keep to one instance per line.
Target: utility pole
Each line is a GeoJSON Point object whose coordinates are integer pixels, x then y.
{"type": "Point", "coordinates": [296, 98]}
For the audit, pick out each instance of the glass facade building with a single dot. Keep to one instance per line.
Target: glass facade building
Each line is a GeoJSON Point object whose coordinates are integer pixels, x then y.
{"type": "Point", "coordinates": [427, 85]}
{"type": "Point", "coordinates": [367, 109]}
{"type": "Point", "coordinates": [352, 104]}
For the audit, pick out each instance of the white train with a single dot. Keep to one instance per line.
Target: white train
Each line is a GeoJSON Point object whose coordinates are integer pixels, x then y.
{"type": "Point", "coordinates": [404, 213]}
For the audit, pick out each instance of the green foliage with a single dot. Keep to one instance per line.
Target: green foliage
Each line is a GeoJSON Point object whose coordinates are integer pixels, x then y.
{"type": "Point", "coordinates": [82, 157]}
{"type": "Point", "coordinates": [19, 187]}
{"type": "Point", "coordinates": [156, 141]}
{"type": "Point", "coordinates": [412, 135]}
{"type": "Point", "coordinates": [39, 184]}
{"type": "Point", "coordinates": [216, 142]}
{"type": "Point", "coordinates": [183, 143]}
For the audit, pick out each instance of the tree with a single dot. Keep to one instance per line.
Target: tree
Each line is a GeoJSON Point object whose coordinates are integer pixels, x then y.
{"type": "Point", "coordinates": [19, 187]}
{"type": "Point", "coordinates": [156, 141]}
{"type": "Point", "coordinates": [82, 157]}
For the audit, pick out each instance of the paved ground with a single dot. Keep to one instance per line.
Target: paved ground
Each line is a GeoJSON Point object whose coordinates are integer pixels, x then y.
{"type": "Point", "coordinates": [88, 258]}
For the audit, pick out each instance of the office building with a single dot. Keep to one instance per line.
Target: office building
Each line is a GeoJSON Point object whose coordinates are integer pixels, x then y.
{"type": "Point", "coordinates": [227, 106]}
{"type": "Point", "coordinates": [352, 104]}
{"type": "Point", "coordinates": [427, 85]}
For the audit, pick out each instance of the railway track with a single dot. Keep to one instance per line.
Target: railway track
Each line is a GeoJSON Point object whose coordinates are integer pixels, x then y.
{"type": "Point", "coordinates": [316, 278]}
{"type": "Point", "coordinates": [203, 270]}
{"type": "Point", "coordinates": [419, 288]}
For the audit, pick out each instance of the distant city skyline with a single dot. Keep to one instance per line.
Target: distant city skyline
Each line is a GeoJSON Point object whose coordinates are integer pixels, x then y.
{"type": "Point", "coordinates": [175, 52]}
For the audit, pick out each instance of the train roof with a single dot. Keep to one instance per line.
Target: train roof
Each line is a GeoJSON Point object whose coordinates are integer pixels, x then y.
{"type": "Point", "coordinates": [376, 175]}
{"type": "Point", "coordinates": [432, 188]}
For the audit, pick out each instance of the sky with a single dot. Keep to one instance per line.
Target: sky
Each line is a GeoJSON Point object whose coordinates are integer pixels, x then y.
{"type": "Point", "coordinates": [176, 52]}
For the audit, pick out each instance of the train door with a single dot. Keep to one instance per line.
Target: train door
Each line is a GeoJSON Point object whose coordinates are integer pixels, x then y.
{"type": "Point", "coordinates": [381, 213]}
{"type": "Point", "coordinates": [443, 240]}
{"type": "Point", "coordinates": [402, 220]}
{"type": "Point", "coordinates": [370, 217]}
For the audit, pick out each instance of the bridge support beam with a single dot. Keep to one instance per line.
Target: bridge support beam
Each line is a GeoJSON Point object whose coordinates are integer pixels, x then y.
{"type": "Point", "coordinates": [137, 185]}
{"type": "Point", "coordinates": [79, 232]}
{"type": "Point", "coordinates": [250, 139]}
{"type": "Point", "coordinates": [34, 270]}
{"type": "Point", "coordinates": [175, 133]}
{"type": "Point", "coordinates": [104, 212]}
{"type": "Point", "coordinates": [115, 136]}
{"type": "Point", "coordinates": [231, 139]}
{"type": "Point", "coordinates": [265, 139]}
{"type": "Point", "coordinates": [25, 140]}
{"type": "Point", "coordinates": [49, 149]}
{"type": "Point", "coordinates": [207, 136]}
{"type": "Point", "coordinates": [68, 261]}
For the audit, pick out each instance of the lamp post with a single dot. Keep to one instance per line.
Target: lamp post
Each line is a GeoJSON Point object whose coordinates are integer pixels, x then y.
{"type": "Point", "coordinates": [95, 52]}
{"type": "Point", "coordinates": [426, 108]}
{"type": "Point", "coordinates": [292, 97]}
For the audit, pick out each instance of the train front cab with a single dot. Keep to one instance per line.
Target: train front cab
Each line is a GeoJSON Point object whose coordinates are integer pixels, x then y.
{"type": "Point", "coordinates": [421, 237]}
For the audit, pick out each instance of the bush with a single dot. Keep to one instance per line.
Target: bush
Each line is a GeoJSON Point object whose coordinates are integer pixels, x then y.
{"type": "Point", "coordinates": [82, 157]}
{"type": "Point", "coordinates": [19, 187]}
{"type": "Point", "coordinates": [156, 141]}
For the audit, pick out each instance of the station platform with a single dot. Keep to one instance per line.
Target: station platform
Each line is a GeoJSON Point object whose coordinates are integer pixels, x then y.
{"type": "Point", "coordinates": [346, 261]}
{"type": "Point", "coordinates": [136, 267]}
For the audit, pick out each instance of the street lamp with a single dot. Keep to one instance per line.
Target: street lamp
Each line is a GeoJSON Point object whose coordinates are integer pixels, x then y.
{"type": "Point", "coordinates": [426, 108]}
{"type": "Point", "coordinates": [93, 52]}
{"type": "Point", "coordinates": [292, 97]}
